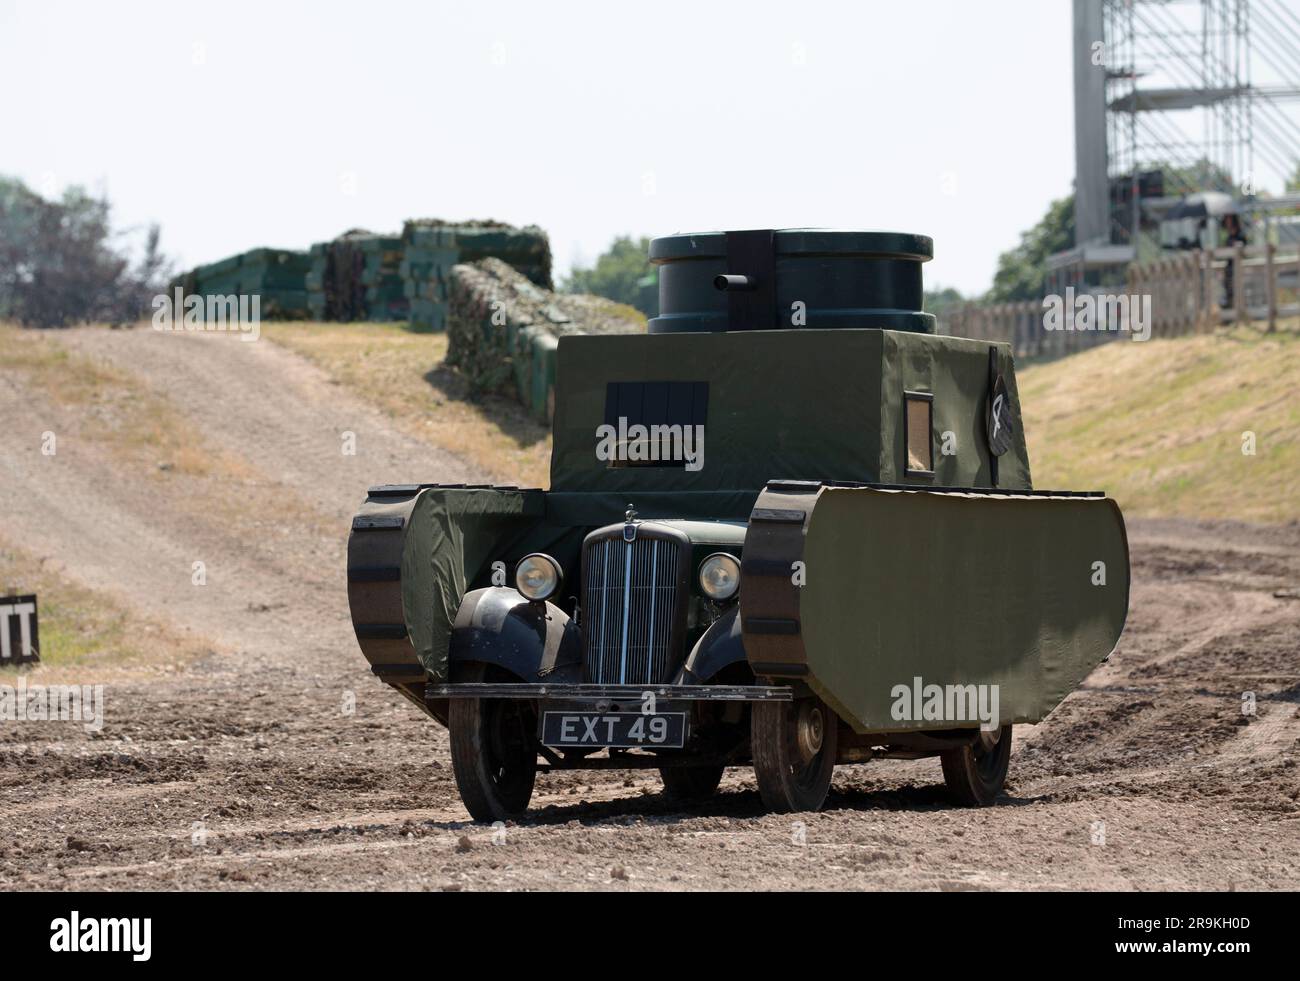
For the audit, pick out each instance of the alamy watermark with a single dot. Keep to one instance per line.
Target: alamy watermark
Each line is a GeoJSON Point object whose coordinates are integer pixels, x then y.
{"type": "Point", "coordinates": [1098, 312]}
{"type": "Point", "coordinates": [53, 703]}
{"type": "Point", "coordinates": [640, 444]}
{"type": "Point", "coordinates": [241, 313]}
{"type": "Point", "coordinates": [102, 934]}
{"type": "Point", "coordinates": [919, 702]}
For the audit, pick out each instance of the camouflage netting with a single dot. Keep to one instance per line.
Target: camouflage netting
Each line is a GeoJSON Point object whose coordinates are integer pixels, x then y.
{"type": "Point", "coordinates": [432, 246]}
{"type": "Point", "coordinates": [503, 330]}
{"type": "Point", "coordinates": [428, 255]}
{"type": "Point", "coordinates": [364, 276]}
{"type": "Point", "coordinates": [278, 276]}
{"type": "Point", "coordinates": [357, 276]}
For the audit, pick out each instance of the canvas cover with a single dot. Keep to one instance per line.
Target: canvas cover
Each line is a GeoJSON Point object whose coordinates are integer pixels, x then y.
{"type": "Point", "coordinates": [454, 534]}
{"type": "Point", "coordinates": [1026, 593]}
{"type": "Point", "coordinates": [415, 552]}
{"type": "Point", "coordinates": [806, 404]}
{"type": "Point", "coordinates": [951, 586]}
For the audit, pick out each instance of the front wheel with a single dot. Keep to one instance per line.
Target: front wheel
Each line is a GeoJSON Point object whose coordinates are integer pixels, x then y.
{"type": "Point", "coordinates": [793, 745]}
{"type": "Point", "coordinates": [975, 773]}
{"type": "Point", "coordinates": [493, 755]}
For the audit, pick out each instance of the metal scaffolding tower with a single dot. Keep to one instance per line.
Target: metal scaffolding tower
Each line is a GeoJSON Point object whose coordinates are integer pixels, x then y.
{"type": "Point", "coordinates": [1171, 101]}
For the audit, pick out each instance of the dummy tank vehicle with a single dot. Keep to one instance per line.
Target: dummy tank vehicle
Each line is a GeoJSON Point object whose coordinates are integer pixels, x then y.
{"type": "Point", "coordinates": [788, 527]}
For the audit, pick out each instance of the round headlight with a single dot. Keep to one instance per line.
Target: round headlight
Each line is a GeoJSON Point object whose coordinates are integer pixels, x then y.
{"type": "Point", "coordinates": [720, 576]}
{"type": "Point", "coordinates": [538, 576]}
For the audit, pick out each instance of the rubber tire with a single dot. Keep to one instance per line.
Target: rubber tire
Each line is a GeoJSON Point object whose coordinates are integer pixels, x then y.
{"type": "Point", "coordinates": [690, 783]}
{"type": "Point", "coordinates": [490, 793]}
{"type": "Point", "coordinates": [774, 751]}
{"type": "Point", "coordinates": [976, 778]}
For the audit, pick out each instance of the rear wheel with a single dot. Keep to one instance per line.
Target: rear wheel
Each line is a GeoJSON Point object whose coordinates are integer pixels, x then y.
{"type": "Point", "coordinates": [975, 773]}
{"type": "Point", "coordinates": [493, 754]}
{"type": "Point", "coordinates": [690, 783]}
{"type": "Point", "coordinates": [794, 747]}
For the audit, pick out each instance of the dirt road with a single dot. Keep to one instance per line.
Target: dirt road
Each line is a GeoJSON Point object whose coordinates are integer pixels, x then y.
{"type": "Point", "coordinates": [246, 769]}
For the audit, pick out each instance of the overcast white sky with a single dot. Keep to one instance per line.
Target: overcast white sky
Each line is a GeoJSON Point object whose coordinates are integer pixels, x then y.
{"type": "Point", "coordinates": [283, 123]}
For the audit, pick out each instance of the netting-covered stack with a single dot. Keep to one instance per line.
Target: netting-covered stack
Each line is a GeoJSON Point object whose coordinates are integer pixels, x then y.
{"type": "Point", "coordinates": [503, 330]}
{"type": "Point", "coordinates": [381, 273]}
{"type": "Point", "coordinates": [357, 276]}
{"type": "Point", "coordinates": [316, 301]}
{"type": "Point", "coordinates": [278, 276]}
{"type": "Point", "coordinates": [433, 246]}
{"type": "Point", "coordinates": [429, 254]}
{"type": "Point", "coordinates": [526, 249]}
{"type": "Point", "coordinates": [220, 277]}
{"type": "Point", "coordinates": [364, 276]}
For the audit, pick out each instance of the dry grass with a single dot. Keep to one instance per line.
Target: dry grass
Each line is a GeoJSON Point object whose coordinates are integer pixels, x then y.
{"type": "Point", "coordinates": [86, 636]}
{"type": "Point", "coordinates": [401, 371]}
{"type": "Point", "coordinates": [1160, 424]}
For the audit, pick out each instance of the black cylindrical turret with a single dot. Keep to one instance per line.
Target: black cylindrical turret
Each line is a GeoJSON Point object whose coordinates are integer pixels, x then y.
{"type": "Point", "coordinates": [790, 279]}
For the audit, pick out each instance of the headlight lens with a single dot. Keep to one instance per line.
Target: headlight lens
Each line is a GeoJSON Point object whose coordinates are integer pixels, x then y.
{"type": "Point", "coordinates": [720, 576]}
{"type": "Point", "coordinates": [538, 576]}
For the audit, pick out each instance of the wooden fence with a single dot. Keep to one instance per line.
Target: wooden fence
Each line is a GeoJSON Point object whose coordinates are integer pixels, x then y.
{"type": "Point", "coordinates": [1019, 324]}
{"type": "Point", "coordinates": [1186, 293]}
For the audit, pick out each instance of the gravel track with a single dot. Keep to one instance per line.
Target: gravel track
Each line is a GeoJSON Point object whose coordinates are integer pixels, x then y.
{"type": "Point", "coordinates": [245, 771]}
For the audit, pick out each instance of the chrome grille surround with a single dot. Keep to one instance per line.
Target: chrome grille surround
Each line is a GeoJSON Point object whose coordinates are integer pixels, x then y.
{"type": "Point", "coordinates": [633, 602]}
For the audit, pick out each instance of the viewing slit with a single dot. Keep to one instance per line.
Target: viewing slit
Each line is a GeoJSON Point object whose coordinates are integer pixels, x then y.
{"type": "Point", "coordinates": [631, 606]}
{"type": "Point", "coordinates": [918, 419]}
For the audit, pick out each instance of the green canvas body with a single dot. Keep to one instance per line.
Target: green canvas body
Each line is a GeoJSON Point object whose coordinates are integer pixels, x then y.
{"type": "Point", "coordinates": [1025, 593]}
{"type": "Point", "coordinates": [806, 404]}
{"type": "Point", "coordinates": [988, 587]}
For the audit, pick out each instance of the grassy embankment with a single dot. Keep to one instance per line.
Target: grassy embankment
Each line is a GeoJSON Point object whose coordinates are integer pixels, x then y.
{"type": "Point", "coordinates": [1159, 425]}
{"type": "Point", "coordinates": [401, 371]}
{"type": "Point", "coordinates": [84, 630]}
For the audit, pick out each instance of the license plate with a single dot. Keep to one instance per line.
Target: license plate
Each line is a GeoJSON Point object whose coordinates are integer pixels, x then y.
{"type": "Point", "coordinates": [619, 730]}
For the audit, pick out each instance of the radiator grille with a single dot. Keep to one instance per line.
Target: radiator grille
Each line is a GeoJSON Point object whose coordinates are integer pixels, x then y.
{"type": "Point", "coordinates": [630, 600]}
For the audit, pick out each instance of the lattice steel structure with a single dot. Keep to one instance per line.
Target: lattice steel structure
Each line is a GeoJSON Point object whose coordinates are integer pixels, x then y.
{"type": "Point", "coordinates": [1195, 89]}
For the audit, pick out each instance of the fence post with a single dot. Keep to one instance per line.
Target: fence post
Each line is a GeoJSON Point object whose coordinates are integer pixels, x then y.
{"type": "Point", "coordinates": [1238, 284]}
{"type": "Point", "coordinates": [1166, 293]}
{"type": "Point", "coordinates": [1133, 281]}
{"type": "Point", "coordinates": [1161, 284]}
{"type": "Point", "coordinates": [1188, 284]}
{"type": "Point", "coordinates": [1209, 291]}
{"type": "Point", "coordinates": [1270, 285]}
{"type": "Point", "coordinates": [1200, 292]}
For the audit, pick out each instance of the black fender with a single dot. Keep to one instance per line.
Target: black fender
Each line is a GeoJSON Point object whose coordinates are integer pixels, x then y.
{"type": "Point", "coordinates": [536, 642]}
{"type": "Point", "coordinates": [720, 646]}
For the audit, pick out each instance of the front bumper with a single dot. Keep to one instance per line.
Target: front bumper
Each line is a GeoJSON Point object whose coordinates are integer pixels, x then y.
{"type": "Point", "coordinates": [595, 693]}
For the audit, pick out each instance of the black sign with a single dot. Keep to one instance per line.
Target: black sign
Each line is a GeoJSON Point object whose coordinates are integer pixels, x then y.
{"type": "Point", "coordinates": [624, 730]}
{"type": "Point", "coordinates": [19, 641]}
{"type": "Point", "coordinates": [1001, 424]}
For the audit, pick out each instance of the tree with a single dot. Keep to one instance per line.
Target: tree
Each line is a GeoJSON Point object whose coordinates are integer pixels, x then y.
{"type": "Point", "coordinates": [1021, 270]}
{"type": "Point", "coordinates": [941, 299]}
{"type": "Point", "coordinates": [618, 274]}
{"type": "Point", "coordinates": [20, 221]}
{"type": "Point", "coordinates": [1203, 175]}
{"type": "Point", "coordinates": [58, 265]}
